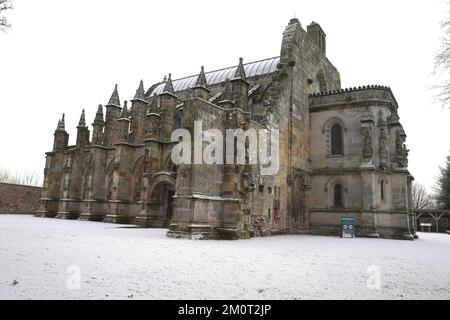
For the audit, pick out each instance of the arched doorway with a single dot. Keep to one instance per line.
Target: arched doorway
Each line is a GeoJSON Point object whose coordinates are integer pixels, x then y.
{"type": "Point", "coordinates": [161, 200]}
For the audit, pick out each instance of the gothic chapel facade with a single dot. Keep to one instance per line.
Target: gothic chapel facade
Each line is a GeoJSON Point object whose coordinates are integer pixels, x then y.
{"type": "Point", "coordinates": [342, 153]}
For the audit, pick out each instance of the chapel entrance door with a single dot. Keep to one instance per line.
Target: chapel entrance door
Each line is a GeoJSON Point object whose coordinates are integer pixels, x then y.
{"type": "Point", "coordinates": [161, 203]}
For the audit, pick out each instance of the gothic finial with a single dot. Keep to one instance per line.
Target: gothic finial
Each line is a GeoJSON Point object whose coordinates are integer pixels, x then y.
{"type": "Point", "coordinates": [61, 124]}
{"type": "Point", "coordinates": [140, 91]}
{"type": "Point", "coordinates": [201, 79]}
{"type": "Point", "coordinates": [63, 121]}
{"type": "Point", "coordinates": [82, 122]}
{"type": "Point", "coordinates": [99, 116]}
{"type": "Point", "coordinates": [114, 100]}
{"type": "Point", "coordinates": [169, 87]}
{"type": "Point", "coordinates": [124, 114]}
{"type": "Point", "coordinates": [240, 71]}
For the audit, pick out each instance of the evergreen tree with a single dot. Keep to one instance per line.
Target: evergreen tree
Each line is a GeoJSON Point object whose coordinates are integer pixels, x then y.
{"type": "Point", "coordinates": [443, 186]}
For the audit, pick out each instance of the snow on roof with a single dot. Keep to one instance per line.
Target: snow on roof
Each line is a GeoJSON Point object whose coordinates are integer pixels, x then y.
{"type": "Point", "coordinates": [252, 69]}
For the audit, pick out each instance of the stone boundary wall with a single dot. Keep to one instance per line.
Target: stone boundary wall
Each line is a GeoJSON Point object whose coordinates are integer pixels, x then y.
{"type": "Point", "coordinates": [16, 198]}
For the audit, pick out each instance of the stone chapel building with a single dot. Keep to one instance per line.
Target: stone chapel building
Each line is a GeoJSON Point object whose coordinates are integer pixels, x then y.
{"type": "Point", "coordinates": [342, 154]}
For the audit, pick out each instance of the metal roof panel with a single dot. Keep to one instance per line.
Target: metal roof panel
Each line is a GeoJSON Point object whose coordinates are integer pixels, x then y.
{"type": "Point", "coordinates": [252, 69]}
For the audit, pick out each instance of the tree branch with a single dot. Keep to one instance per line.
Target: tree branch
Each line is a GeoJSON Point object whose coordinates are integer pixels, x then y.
{"type": "Point", "coordinates": [4, 6]}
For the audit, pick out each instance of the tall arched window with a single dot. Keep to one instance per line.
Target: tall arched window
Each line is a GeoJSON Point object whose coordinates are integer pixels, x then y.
{"type": "Point", "coordinates": [336, 140]}
{"type": "Point", "coordinates": [178, 118]}
{"type": "Point", "coordinates": [337, 196]}
{"type": "Point", "coordinates": [382, 189]}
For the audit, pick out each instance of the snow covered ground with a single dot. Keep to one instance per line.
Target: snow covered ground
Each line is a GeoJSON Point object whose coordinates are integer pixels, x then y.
{"type": "Point", "coordinates": [52, 259]}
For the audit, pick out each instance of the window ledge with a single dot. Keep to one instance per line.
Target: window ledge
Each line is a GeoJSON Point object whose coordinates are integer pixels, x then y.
{"type": "Point", "coordinates": [335, 156]}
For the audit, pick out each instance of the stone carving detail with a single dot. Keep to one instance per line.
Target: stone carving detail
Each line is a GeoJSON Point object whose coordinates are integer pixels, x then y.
{"type": "Point", "coordinates": [405, 153]}
{"type": "Point", "coordinates": [399, 153]}
{"type": "Point", "coordinates": [383, 148]}
{"type": "Point", "coordinates": [270, 97]}
{"type": "Point", "coordinates": [185, 171]}
{"type": "Point", "coordinates": [139, 172]}
{"type": "Point", "coordinates": [247, 182]}
{"type": "Point", "coordinates": [88, 176]}
{"type": "Point", "coordinates": [322, 82]}
{"type": "Point", "coordinates": [366, 133]}
{"type": "Point", "coordinates": [260, 226]}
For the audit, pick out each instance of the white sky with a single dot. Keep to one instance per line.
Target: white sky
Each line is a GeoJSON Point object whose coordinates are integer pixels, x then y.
{"type": "Point", "coordinates": [62, 56]}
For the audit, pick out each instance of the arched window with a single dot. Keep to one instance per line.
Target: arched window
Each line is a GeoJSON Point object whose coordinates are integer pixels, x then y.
{"type": "Point", "coordinates": [382, 189]}
{"type": "Point", "coordinates": [336, 140]}
{"type": "Point", "coordinates": [178, 118]}
{"type": "Point", "coordinates": [337, 196]}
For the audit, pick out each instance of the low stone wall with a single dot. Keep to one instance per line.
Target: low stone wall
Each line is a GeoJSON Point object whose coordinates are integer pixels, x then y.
{"type": "Point", "coordinates": [18, 198]}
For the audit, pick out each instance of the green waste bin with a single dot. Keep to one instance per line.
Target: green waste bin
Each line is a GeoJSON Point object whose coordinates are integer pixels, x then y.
{"type": "Point", "coordinates": [347, 227]}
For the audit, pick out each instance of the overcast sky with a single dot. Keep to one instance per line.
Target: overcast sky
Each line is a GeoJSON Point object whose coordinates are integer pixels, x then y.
{"type": "Point", "coordinates": [62, 56]}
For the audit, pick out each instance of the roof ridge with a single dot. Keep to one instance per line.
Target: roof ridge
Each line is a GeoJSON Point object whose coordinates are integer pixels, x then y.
{"type": "Point", "coordinates": [225, 68]}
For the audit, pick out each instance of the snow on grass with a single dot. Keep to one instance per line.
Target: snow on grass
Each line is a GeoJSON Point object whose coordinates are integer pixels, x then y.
{"type": "Point", "coordinates": [45, 258]}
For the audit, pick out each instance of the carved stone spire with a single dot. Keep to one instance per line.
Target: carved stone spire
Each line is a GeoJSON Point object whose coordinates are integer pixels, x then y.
{"type": "Point", "coordinates": [82, 132]}
{"type": "Point", "coordinates": [169, 86]}
{"type": "Point", "coordinates": [99, 123]}
{"type": "Point", "coordinates": [61, 124]}
{"type": "Point", "coordinates": [124, 114]}
{"type": "Point", "coordinates": [82, 122]}
{"type": "Point", "coordinates": [114, 100]}
{"type": "Point", "coordinates": [201, 79]}
{"type": "Point", "coordinates": [200, 90]}
{"type": "Point", "coordinates": [61, 136]}
{"type": "Point", "coordinates": [240, 71]}
{"type": "Point", "coordinates": [140, 92]}
{"type": "Point", "coordinates": [99, 116]}
{"type": "Point", "coordinates": [124, 124]}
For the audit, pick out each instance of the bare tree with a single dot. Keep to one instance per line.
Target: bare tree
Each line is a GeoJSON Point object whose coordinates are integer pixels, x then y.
{"type": "Point", "coordinates": [5, 175]}
{"type": "Point", "coordinates": [421, 199]}
{"type": "Point", "coordinates": [25, 177]}
{"type": "Point", "coordinates": [442, 64]}
{"type": "Point", "coordinates": [4, 6]}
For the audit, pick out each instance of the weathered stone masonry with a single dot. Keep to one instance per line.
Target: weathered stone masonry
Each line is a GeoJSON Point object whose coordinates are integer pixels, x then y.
{"type": "Point", "coordinates": [342, 153]}
{"type": "Point", "coordinates": [16, 198]}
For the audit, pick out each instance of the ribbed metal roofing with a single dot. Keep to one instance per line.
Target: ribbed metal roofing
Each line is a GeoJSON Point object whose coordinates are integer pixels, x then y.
{"type": "Point", "coordinates": [252, 69]}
